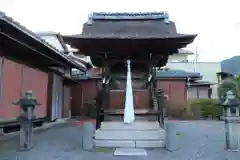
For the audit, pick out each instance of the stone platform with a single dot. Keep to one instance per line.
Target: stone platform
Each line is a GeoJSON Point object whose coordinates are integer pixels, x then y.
{"type": "Point", "coordinates": [139, 134]}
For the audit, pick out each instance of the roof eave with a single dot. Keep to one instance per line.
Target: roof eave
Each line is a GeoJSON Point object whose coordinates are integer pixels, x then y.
{"type": "Point", "coordinates": [37, 39]}
{"type": "Point", "coordinates": [180, 77]}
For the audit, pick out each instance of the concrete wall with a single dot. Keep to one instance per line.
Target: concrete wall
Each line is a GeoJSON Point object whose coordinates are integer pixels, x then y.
{"type": "Point", "coordinates": [207, 69]}
{"type": "Point", "coordinates": [178, 57]}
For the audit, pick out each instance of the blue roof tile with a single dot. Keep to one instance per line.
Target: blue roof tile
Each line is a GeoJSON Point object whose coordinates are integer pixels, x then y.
{"type": "Point", "coordinates": [176, 74]}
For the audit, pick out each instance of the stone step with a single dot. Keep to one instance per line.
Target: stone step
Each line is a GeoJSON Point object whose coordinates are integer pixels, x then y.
{"type": "Point", "coordinates": [130, 152]}
{"type": "Point", "coordinates": [158, 134]}
{"type": "Point", "coordinates": [129, 143]}
{"type": "Point", "coordinates": [150, 118]}
{"type": "Point", "coordinates": [114, 143]}
{"type": "Point", "coordinates": [137, 125]}
{"type": "Point", "coordinates": [150, 144]}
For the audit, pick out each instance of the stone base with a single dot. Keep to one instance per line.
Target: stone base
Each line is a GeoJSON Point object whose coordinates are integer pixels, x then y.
{"type": "Point", "coordinates": [130, 152]}
{"type": "Point", "coordinates": [130, 143]}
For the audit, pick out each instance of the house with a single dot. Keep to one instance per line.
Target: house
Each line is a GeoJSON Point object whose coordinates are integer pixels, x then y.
{"type": "Point", "coordinates": [188, 84]}
{"type": "Point", "coordinates": [181, 56]}
{"type": "Point", "coordinates": [208, 70]}
{"type": "Point", "coordinates": [223, 75]}
{"type": "Point", "coordinates": [28, 62]}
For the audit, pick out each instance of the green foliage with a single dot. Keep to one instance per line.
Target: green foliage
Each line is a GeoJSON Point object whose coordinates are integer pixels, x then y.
{"type": "Point", "coordinates": [226, 85]}
{"type": "Point", "coordinates": [237, 77]}
{"type": "Point", "coordinates": [202, 108]}
{"type": "Point", "coordinates": [175, 110]}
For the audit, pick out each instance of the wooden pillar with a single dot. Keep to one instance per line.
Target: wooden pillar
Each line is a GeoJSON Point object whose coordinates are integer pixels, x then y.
{"type": "Point", "coordinates": [107, 87]}
{"type": "Point", "coordinates": [150, 85]}
{"type": "Point", "coordinates": [103, 97]}
{"type": "Point", "coordinates": [99, 101]}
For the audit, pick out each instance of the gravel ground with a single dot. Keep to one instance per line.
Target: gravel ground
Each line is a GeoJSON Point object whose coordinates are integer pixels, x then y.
{"type": "Point", "coordinates": [201, 140]}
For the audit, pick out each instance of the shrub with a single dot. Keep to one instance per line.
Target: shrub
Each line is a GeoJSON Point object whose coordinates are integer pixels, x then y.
{"type": "Point", "coordinates": [203, 108]}
{"type": "Point", "coordinates": [176, 110]}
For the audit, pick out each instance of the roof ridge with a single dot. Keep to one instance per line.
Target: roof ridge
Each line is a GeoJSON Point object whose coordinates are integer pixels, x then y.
{"type": "Point", "coordinates": [128, 16]}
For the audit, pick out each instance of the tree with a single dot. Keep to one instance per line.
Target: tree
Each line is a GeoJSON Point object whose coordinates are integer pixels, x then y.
{"type": "Point", "coordinates": [237, 77]}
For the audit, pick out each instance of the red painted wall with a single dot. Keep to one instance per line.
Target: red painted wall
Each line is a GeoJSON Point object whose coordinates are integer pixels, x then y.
{"type": "Point", "coordinates": [81, 93]}
{"type": "Point", "coordinates": [11, 89]}
{"type": "Point", "coordinates": [175, 89]}
{"type": "Point", "coordinates": [14, 80]}
{"type": "Point", "coordinates": [37, 82]}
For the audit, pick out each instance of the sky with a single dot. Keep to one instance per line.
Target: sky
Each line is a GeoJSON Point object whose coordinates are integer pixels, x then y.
{"type": "Point", "coordinates": [216, 22]}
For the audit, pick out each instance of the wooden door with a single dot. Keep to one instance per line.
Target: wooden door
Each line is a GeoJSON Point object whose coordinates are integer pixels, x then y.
{"type": "Point", "coordinates": [140, 97]}
{"type": "Point", "coordinates": [66, 101]}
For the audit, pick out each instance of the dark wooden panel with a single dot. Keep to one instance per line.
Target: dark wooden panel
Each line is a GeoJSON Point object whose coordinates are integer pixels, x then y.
{"type": "Point", "coordinates": [76, 99]}
{"type": "Point", "coordinates": [66, 101]}
{"type": "Point", "coordinates": [117, 98]}
{"type": "Point", "coordinates": [141, 99]}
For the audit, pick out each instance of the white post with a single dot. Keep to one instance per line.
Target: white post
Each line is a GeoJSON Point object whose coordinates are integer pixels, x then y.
{"type": "Point", "coordinates": [129, 116]}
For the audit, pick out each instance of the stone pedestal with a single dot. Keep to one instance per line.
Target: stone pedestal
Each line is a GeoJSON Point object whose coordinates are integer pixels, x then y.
{"type": "Point", "coordinates": [27, 105]}
{"type": "Point", "coordinates": [172, 136]}
{"type": "Point", "coordinates": [232, 130]}
{"type": "Point", "coordinates": [88, 133]}
{"type": "Point", "coordinates": [26, 135]}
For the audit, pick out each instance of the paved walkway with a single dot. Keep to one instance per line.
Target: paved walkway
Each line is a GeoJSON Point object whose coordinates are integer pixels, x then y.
{"type": "Point", "coordinates": [201, 140]}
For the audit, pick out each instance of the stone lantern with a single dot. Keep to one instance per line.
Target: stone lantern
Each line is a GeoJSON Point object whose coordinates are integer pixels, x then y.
{"type": "Point", "coordinates": [232, 122]}
{"type": "Point", "coordinates": [27, 105]}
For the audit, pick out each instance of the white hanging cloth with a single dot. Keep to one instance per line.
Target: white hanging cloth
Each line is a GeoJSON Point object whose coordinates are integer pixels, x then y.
{"type": "Point", "coordinates": [129, 116]}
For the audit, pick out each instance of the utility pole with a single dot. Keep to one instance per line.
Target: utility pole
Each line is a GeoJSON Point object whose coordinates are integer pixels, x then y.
{"type": "Point", "coordinates": [196, 58]}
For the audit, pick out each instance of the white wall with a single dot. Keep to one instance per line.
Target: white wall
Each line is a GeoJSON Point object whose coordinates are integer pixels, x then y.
{"type": "Point", "coordinates": [178, 57]}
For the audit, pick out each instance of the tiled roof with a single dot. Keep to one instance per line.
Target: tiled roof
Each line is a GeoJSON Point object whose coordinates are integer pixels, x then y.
{"type": "Point", "coordinates": [127, 15]}
{"type": "Point", "coordinates": [31, 34]}
{"type": "Point", "coordinates": [197, 83]}
{"type": "Point", "coordinates": [177, 74]}
{"type": "Point", "coordinates": [129, 25]}
{"type": "Point", "coordinates": [16, 24]}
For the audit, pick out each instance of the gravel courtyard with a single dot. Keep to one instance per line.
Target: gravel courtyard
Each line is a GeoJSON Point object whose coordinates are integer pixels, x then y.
{"type": "Point", "coordinates": [201, 140]}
